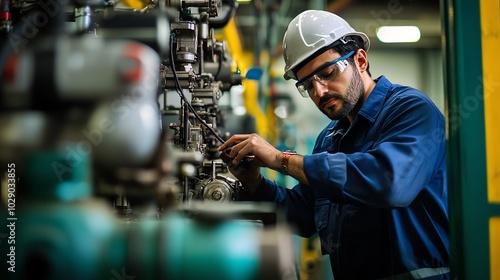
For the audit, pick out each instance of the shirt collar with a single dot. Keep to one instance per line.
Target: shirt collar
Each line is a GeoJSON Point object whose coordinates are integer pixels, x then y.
{"type": "Point", "coordinates": [336, 127]}
{"type": "Point", "coordinates": [373, 104]}
{"type": "Point", "coordinates": [375, 101]}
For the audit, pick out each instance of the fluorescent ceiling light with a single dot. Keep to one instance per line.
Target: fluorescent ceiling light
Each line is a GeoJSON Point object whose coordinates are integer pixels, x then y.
{"type": "Point", "coordinates": [398, 34]}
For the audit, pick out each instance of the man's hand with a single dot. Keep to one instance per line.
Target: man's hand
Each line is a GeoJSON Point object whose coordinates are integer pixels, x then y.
{"type": "Point", "coordinates": [243, 145]}
{"type": "Point", "coordinates": [247, 171]}
{"type": "Point", "coordinates": [245, 154]}
{"type": "Point", "coordinates": [263, 154]}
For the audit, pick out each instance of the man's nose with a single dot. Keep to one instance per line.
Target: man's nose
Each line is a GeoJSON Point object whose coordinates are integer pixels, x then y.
{"type": "Point", "coordinates": [320, 87]}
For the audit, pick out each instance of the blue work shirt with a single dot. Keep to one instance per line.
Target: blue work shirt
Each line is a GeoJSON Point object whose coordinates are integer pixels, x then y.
{"type": "Point", "coordinates": [377, 193]}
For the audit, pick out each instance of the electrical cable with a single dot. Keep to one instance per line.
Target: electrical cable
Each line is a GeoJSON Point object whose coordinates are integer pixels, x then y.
{"type": "Point", "coordinates": [219, 68]}
{"type": "Point", "coordinates": [183, 97]}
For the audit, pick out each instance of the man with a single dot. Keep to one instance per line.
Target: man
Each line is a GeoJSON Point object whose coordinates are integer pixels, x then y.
{"type": "Point", "coordinates": [374, 187]}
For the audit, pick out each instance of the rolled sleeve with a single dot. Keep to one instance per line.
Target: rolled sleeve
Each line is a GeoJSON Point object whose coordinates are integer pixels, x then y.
{"type": "Point", "coordinates": [324, 167]}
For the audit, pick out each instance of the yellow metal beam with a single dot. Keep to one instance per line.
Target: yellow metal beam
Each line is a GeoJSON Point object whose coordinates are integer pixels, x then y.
{"type": "Point", "coordinates": [245, 62]}
{"type": "Point", "coordinates": [495, 248]}
{"type": "Point", "coordinates": [490, 37]}
{"type": "Point", "coordinates": [490, 31]}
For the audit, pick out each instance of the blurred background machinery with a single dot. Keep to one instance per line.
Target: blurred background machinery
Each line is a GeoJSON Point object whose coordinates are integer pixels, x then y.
{"type": "Point", "coordinates": [112, 177]}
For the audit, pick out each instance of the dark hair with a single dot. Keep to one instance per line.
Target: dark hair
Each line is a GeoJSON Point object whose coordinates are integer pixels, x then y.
{"type": "Point", "coordinates": [352, 43]}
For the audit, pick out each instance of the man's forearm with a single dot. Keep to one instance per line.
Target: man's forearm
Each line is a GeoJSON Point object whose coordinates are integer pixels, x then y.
{"type": "Point", "coordinates": [296, 169]}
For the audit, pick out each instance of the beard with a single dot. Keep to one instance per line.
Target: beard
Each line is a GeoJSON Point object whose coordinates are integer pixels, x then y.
{"type": "Point", "coordinates": [347, 102]}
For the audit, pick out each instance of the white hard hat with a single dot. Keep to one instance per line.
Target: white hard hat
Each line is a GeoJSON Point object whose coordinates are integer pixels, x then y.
{"type": "Point", "coordinates": [311, 31]}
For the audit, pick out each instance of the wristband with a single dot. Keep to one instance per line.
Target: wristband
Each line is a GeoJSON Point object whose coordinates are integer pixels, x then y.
{"type": "Point", "coordinates": [285, 156]}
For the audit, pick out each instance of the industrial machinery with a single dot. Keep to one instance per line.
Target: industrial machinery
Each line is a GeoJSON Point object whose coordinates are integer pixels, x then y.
{"type": "Point", "coordinates": [99, 184]}
{"type": "Point", "coordinates": [200, 67]}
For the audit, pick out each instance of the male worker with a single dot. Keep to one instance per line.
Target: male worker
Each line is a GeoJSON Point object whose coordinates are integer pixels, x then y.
{"type": "Point", "coordinates": [374, 187]}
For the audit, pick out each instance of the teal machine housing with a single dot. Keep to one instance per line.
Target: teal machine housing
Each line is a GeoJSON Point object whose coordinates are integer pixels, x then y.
{"type": "Point", "coordinates": [63, 232]}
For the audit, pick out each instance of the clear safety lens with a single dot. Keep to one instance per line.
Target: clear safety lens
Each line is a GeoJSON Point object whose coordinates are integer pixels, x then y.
{"type": "Point", "coordinates": [329, 72]}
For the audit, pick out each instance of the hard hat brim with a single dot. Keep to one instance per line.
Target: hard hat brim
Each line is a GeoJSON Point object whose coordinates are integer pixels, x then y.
{"type": "Point", "coordinates": [290, 74]}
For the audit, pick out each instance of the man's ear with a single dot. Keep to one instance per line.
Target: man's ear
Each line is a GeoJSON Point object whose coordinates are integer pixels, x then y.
{"type": "Point", "coordinates": [361, 60]}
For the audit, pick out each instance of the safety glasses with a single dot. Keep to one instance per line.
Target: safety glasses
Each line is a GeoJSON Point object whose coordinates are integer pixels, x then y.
{"type": "Point", "coordinates": [329, 72]}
